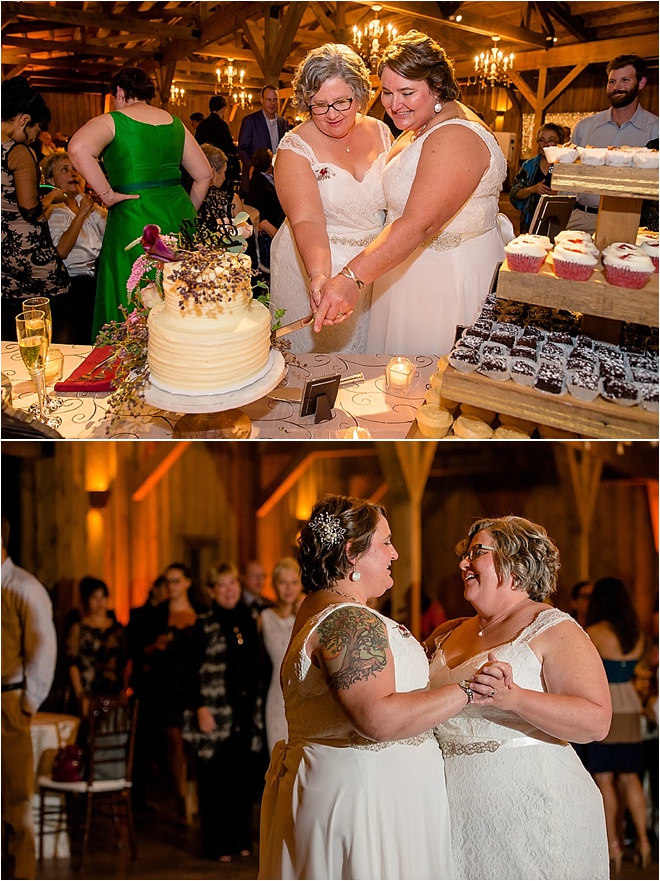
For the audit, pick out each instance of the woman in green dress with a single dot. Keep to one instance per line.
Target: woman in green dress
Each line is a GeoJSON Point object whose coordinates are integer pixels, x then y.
{"type": "Point", "coordinates": [142, 148]}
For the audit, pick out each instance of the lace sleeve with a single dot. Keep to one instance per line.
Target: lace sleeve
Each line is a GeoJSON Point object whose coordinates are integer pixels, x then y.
{"type": "Point", "coordinates": [294, 142]}
{"type": "Point", "coordinates": [386, 135]}
{"type": "Point", "coordinates": [544, 621]}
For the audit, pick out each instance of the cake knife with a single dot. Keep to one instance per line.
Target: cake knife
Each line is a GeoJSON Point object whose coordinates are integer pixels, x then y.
{"type": "Point", "coordinates": [295, 325]}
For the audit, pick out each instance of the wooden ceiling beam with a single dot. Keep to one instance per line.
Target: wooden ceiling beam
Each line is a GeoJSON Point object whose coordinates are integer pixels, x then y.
{"type": "Point", "coordinates": [476, 24]}
{"type": "Point", "coordinates": [73, 48]}
{"type": "Point", "coordinates": [601, 51]}
{"type": "Point", "coordinates": [286, 35]}
{"type": "Point", "coordinates": [63, 14]}
{"type": "Point", "coordinates": [572, 23]}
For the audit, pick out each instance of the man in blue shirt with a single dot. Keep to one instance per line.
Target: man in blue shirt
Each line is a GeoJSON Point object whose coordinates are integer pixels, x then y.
{"type": "Point", "coordinates": [625, 124]}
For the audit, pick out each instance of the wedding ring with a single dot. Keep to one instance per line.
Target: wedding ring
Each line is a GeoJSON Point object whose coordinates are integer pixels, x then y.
{"type": "Point", "coordinates": [492, 694]}
{"type": "Point", "coordinates": [339, 315]}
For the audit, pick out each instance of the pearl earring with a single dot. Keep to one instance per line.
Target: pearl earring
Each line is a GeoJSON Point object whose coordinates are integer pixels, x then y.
{"type": "Point", "coordinates": [437, 107]}
{"type": "Point", "coordinates": [354, 576]}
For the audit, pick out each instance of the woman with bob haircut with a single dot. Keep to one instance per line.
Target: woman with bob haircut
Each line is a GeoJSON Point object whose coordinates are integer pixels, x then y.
{"type": "Point", "coordinates": [522, 804]}
{"type": "Point", "coordinates": [141, 148]}
{"type": "Point", "coordinates": [435, 259]}
{"type": "Point", "coordinates": [328, 175]}
{"type": "Point", "coordinates": [357, 790]}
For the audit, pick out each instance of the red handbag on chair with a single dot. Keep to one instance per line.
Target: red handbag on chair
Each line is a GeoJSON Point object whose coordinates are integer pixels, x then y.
{"type": "Point", "coordinates": [68, 764]}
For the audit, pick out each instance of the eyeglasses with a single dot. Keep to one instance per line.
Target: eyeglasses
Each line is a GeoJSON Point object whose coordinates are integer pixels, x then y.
{"type": "Point", "coordinates": [552, 142]}
{"type": "Point", "coordinates": [474, 552]}
{"type": "Point", "coordinates": [342, 105]}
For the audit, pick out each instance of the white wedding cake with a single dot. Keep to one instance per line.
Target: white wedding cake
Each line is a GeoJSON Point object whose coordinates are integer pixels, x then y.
{"type": "Point", "coordinates": [208, 336]}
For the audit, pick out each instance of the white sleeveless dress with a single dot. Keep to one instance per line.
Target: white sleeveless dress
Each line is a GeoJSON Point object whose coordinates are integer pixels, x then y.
{"type": "Point", "coordinates": [354, 213]}
{"type": "Point", "coordinates": [417, 305]}
{"type": "Point", "coordinates": [276, 633]}
{"type": "Point", "coordinates": [522, 804]}
{"type": "Point", "coordinates": [336, 805]}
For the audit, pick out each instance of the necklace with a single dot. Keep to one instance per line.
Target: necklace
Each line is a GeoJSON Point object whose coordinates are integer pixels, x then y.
{"type": "Point", "coordinates": [503, 617]}
{"type": "Point", "coordinates": [339, 593]}
{"type": "Point", "coordinates": [420, 131]}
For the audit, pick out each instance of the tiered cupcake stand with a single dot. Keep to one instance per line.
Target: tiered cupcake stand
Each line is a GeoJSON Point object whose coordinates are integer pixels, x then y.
{"type": "Point", "coordinates": [603, 307]}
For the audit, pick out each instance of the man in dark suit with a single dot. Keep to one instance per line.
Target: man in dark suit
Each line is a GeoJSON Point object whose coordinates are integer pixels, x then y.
{"type": "Point", "coordinates": [264, 128]}
{"type": "Point", "coordinates": [214, 130]}
{"type": "Point", "coordinates": [263, 196]}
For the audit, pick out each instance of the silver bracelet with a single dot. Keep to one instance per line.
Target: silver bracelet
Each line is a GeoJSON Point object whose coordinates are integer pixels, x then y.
{"type": "Point", "coordinates": [465, 686]}
{"type": "Point", "coordinates": [348, 273]}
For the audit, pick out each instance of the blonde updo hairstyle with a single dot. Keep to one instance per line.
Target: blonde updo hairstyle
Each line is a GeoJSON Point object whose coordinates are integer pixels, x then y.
{"type": "Point", "coordinates": [416, 56]}
{"type": "Point", "coordinates": [523, 551]}
{"type": "Point", "coordinates": [325, 63]}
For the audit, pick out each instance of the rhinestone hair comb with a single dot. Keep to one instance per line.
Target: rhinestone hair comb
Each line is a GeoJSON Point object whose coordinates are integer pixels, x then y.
{"type": "Point", "coordinates": [327, 528]}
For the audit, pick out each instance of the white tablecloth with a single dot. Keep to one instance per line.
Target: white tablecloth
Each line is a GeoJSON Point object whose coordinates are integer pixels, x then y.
{"type": "Point", "coordinates": [50, 732]}
{"type": "Point", "coordinates": [365, 404]}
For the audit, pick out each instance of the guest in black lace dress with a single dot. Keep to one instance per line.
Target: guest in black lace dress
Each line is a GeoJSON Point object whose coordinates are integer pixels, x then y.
{"type": "Point", "coordinates": [221, 202]}
{"type": "Point", "coordinates": [224, 724]}
{"type": "Point", "coordinates": [96, 645]}
{"type": "Point", "coordinates": [31, 265]}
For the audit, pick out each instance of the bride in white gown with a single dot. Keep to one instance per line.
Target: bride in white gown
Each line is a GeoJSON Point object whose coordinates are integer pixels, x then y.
{"type": "Point", "coordinates": [522, 804]}
{"type": "Point", "coordinates": [357, 791]}
{"type": "Point", "coordinates": [434, 260]}
{"type": "Point", "coordinates": [328, 173]}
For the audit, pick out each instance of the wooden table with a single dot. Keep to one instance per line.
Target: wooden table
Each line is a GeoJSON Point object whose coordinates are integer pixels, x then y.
{"type": "Point", "coordinates": [365, 404]}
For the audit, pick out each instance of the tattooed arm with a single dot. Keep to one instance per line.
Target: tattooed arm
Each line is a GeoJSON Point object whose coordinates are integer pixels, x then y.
{"type": "Point", "coordinates": [352, 650]}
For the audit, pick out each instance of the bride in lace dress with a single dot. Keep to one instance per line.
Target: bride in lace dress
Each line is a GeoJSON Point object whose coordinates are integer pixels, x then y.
{"type": "Point", "coordinates": [522, 804]}
{"type": "Point", "coordinates": [435, 258]}
{"type": "Point", "coordinates": [357, 791]}
{"type": "Point", "coordinates": [328, 174]}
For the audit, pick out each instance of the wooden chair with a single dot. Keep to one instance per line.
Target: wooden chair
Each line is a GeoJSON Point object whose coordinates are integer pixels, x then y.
{"type": "Point", "coordinates": [109, 728]}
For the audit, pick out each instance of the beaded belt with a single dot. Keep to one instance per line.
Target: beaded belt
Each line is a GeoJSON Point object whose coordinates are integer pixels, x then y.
{"type": "Point", "coordinates": [451, 747]}
{"type": "Point", "coordinates": [349, 240]}
{"type": "Point", "coordinates": [448, 240]}
{"type": "Point", "coordinates": [358, 742]}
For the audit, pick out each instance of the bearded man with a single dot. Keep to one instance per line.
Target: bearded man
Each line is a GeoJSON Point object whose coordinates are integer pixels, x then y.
{"type": "Point", "coordinates": [625, 124]}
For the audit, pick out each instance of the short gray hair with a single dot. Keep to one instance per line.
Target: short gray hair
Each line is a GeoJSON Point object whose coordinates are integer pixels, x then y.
{"type": "Point", "coordinates": [329, 61]}
{"type": "Point", "coordinates": [523, 551]}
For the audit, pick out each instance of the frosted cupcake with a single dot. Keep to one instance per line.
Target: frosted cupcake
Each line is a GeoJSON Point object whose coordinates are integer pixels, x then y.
{"type": "Point", "coordinates": [544, 241]}
{"type": "Point", "coordinates": [627, 269]}
{"type": "Point", "coordinates": [573, 261]}
{"type": "Point", "coordinates": [507, 432]}
{"type": "Point", "coordinates": [482, 413]}
{"type": "Point", "coordinates": [574, 234]}
{"type": "Point", "coordinates": [650, 248]}
{"type": "Point", "coordinates": [434, 421]}
{"type": "Point", "coordinates": [469, 428]}
{"type": "Point", "coordinates": [592, 155]}
{"type": "Point", "coordinates": [525, 256]}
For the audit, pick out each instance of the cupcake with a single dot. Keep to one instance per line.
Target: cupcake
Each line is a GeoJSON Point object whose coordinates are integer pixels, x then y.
{"type": "Point", "coordinates": [525, 256]}
{"type": "Point", "coordinates": [469, 428]}
{"type": "Point", "coordinates": [518, 423]}
{"type": "Point", "coordinates": [628, 270]}
{"type": "Point", "coordinates": [544, 241]}
{"type": "Point", "coordinates": [643, 157]}
{"type": "Point", "coordinates": [482, 413]}
{"type": "Point", "coordinates": [618, 158]}
{"type": "Point", "coordinates": [574, 235]}
{"type": "Point", "coordinates": [573, 261]}
{"type": "Point", "coordinates": [507, 432]}
{"type": "Point", "coordinates": [650, 248]}
{"type": "Point", "coordinates": [592, 155]}
{"type": "Point", "coordinates": [433, 396]}
{"type": "Point", "coordinates": [565, 154]}
{"type": "Point", "coordinates": [433, 421]}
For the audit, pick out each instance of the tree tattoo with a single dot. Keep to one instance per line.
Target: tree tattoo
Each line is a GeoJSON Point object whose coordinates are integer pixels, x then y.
{"type": "Point", "coordinates": [354, 642]}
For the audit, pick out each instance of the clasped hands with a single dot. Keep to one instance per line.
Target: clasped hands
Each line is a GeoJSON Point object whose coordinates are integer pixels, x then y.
{"type": "Point", "coordinates": [332, 299]}
{"type": "Point", "coordinates": [493, 683]}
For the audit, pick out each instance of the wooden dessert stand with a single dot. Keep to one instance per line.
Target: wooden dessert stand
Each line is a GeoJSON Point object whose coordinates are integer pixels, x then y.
{"type": "Point", "coordinates": [218, 416]}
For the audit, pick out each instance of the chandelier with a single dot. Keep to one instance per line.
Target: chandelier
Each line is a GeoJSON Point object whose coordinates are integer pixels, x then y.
{"type": "Point", "coordinates": [371, 36]}
{"type": "Point", "coordinates": [177, 94]}
{"type": "Point", "coordinates": [492, 65]}
{"type": "Point", "coordinates": [231, 73]}
{"type": "Point", "coordinates": [243, 99]}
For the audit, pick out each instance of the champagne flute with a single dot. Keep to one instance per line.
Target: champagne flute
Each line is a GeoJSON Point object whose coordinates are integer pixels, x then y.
{"type": "Point", "coordinates": [32, 338]}
{"type": "Point", "coordinates": [42, 304]}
